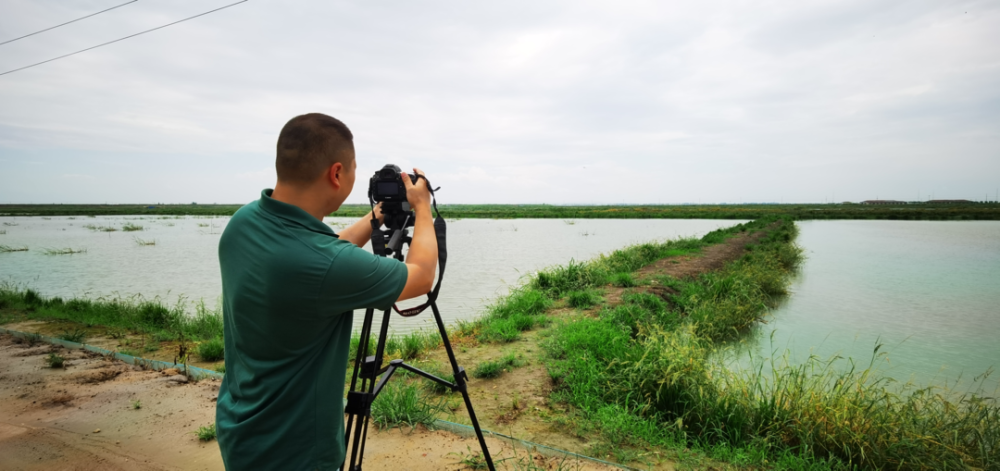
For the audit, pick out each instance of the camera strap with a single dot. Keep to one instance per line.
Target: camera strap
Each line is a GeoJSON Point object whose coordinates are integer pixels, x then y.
{"type": "Point", "coordinates": [440, 231]}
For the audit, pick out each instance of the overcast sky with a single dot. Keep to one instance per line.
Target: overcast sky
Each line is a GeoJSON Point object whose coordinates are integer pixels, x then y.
{"type": "Point", "coordinates": [509, 102]}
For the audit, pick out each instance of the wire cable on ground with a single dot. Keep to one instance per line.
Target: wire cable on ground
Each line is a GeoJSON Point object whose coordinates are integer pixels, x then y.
{"type": "Point", "coordinates": [124, 38]}
{"type": "Point", "coordinates": [68, 22]}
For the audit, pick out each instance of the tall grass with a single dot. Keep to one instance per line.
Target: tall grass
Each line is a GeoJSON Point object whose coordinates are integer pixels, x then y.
{"type": "Point", "coordinates": [648, 364]}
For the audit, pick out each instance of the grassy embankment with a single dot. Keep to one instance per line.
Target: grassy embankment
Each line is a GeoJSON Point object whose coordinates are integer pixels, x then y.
{"type": "Point", "coordinates": [922, 211]}
{"type": "Point", "coordinates": [640, 374]}
{"type": "Point", "coordinates": [141, 327]}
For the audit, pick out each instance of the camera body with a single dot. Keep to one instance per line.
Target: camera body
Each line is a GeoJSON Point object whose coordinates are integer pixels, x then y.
{"type": "Point", "coordinates": [386, 187]}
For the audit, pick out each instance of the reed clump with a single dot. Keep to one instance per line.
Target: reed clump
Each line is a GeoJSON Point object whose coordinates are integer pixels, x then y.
{"type": "Point", "coordinates": [130, 227]}
{"type": "Point", "coordinates": [10, 248]}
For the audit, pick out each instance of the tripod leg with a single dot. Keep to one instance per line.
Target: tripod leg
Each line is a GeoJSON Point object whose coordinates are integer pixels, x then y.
{"type": "Point", "coordinates": [358, 404]}
{"type": "Point", "coordinates": [460, 378]}
{"type": "Point", "coordinates": [359, 358]}
{"type": "Point", "coordinates": [368, 384]}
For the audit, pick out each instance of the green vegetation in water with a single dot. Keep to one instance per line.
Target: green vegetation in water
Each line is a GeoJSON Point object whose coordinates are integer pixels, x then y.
{"type": "Point", "coordinates": [8, 248]}
{"type": "Point", "coordinates": [130, 227]}
{"type": "Point", "coordinates": [205, 433]}
{"type": "Point", "coordinates": [97, 228]}
{"type": "Point", "coordinates": [3, 231]}
{"type": "Point", "coordinates": [150, 317]}
{"type": "Point", "coordinates": [62, 251]}
{"type": "Point", "coordinates": [144, 242]}
{"type": "Point", "coordinates": [402, 403]}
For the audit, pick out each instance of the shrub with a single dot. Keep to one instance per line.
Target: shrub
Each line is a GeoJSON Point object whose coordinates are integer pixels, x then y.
{"type": "Point", "coordinates": [54, 360]}
{"type": "Point", "coordinates": [212, 350]}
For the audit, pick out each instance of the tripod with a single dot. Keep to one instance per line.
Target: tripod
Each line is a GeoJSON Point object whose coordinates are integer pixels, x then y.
{"type": "Point", "coordinates": [367, 369]}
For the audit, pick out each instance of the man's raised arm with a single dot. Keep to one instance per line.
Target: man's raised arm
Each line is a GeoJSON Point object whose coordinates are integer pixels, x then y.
{"type": "Point", "coordinates": [421, 261]}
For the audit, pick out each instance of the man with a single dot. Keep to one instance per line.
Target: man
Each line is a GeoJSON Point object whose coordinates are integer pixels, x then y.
{"type": "Point", "coordinates": [289, 286]}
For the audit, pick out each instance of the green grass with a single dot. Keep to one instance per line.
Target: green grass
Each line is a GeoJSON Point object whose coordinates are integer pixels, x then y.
{"type": "Point", "coordinates": [130, 314]}
{"type": "Point", "coordinates": [212, 350]}
{"type": "Point", "coordinates": [402, 403]}
{"type": "Point", "coordinates": [75, 335]}
{"type": "Point", "coordinates": [54, 360]}
{"type": "Point", "coordinates": [583, 299]}
{"type": "Point", "coordinates": [130, 227]}
{"type": "Point", "coordinates": [8, 248]}
{"type": "Point", "coordinates": [136, 404]}
{"type": "Point", "coordinates": [408, 346]}
{"type": "Point", "coordinates": [496, 368]}
{"type": "Point", "coordinates": [205, 433]}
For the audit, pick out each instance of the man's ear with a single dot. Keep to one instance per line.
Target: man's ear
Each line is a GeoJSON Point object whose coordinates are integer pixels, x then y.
{"type": "Point", "coordinates": [335, 175]}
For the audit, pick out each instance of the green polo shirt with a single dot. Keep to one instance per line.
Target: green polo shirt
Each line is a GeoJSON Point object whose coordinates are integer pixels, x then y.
{"type": "Point", "coordinates": [289, 286]}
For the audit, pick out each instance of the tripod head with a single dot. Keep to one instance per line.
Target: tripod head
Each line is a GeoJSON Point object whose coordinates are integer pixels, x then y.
{"type": "Point", "coordinates": [398, 218]}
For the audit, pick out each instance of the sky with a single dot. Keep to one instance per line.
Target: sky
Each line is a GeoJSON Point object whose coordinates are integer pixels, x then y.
{"type": "Point", "coordinates": [516, 102]}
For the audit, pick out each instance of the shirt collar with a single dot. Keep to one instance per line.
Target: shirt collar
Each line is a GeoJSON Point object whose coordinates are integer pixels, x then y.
{"type": "Point", "coordinates": [292, 213]}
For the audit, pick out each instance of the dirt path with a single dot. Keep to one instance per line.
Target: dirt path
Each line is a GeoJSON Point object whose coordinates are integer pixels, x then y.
{"type": "Point", "coordinates": [83, 417]}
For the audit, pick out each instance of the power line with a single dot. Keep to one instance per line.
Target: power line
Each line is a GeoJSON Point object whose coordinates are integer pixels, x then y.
{"type": "Point", "coordinates": [122, 39]}
{"type": "Point", "coordinates": [68, 22]}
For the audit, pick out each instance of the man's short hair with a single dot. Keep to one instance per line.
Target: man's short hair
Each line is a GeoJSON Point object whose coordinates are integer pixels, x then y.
{"type": "Point", "coordinates": [309, 144]}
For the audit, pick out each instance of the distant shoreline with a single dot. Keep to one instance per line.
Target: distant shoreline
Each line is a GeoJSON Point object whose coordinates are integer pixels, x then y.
{"type": "Point", "coordinates": [916, 211]}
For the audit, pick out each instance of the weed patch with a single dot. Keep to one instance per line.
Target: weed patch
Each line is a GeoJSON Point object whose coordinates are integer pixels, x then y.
{"type": "Point", "coordinates": [401, 403]}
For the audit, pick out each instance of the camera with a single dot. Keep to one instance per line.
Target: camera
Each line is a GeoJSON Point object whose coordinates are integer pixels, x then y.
{"type": "Point", "coordinates": [386, 186]}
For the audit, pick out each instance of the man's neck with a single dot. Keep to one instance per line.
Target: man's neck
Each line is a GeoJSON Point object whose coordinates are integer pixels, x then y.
{"type": "Point", "coordinates": [303, 198]}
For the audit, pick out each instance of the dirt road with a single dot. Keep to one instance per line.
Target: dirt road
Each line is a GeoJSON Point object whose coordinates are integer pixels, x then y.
{"type": "Point", "coordinates": [96, 414]}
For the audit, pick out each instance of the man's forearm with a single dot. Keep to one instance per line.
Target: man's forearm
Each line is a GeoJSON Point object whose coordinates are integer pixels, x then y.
{"type": "Point", "coordinates": [359, 233]}
{"type": "Point", "coordinates": [423, 246]}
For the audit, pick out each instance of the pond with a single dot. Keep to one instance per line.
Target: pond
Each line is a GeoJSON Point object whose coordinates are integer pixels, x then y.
{"type": "Point", "coordinates": [928, 291]}
{"type": "Point", "coordinates": [485, 256]}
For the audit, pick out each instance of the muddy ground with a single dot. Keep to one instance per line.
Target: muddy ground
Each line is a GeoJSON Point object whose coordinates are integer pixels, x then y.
{"type": "Point", "coordinates": [98, 414]}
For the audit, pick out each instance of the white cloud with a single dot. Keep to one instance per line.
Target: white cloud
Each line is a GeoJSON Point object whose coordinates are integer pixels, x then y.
{"type": "Point", "coordinates": [502, 102]}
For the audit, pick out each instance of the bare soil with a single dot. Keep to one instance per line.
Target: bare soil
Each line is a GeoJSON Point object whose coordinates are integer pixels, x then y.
{"type": "Point", "coordinates": [83, 417]}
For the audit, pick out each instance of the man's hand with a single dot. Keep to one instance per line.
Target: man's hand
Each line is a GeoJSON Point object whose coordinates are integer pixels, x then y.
{"type": "Point", "coordinates": [418, 195]}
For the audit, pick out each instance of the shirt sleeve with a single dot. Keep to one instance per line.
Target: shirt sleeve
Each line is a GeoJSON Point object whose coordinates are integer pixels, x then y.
{"type": "Point", "coordinates": [358, 279]}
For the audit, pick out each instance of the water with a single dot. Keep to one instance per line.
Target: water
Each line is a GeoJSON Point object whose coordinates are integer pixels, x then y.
{"type": "Point", "coordinates": [485, 257]}
{"type": "Point", "coordinates": [928, 291]}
